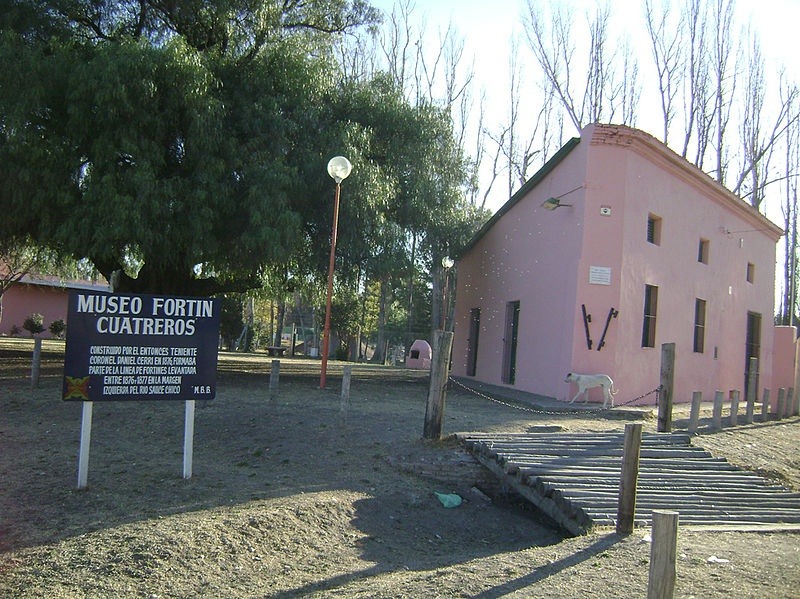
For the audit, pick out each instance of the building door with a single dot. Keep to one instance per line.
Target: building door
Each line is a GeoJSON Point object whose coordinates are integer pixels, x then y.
{"type": "Point", "coordinates": [510, 343]}
{"type": "Point", "coordinates": [752, 344]}
{"type": "Point", "coordinates": [472, 340]}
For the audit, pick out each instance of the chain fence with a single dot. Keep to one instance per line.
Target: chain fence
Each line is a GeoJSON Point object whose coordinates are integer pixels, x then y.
{"type": "Point", "coordinates": [560, 412]}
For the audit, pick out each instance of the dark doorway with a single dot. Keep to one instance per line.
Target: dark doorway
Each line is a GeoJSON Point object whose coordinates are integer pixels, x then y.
{"type": "Point", "coordinates": [510, 342]}
{"type": "Point", "coordinates": [752, 344]}
{"type": "Point", "coordinates": [472, 340]}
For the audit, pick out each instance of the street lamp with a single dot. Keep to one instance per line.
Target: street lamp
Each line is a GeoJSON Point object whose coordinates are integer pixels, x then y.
{"type": "Point", "coordinates": [339, 168]}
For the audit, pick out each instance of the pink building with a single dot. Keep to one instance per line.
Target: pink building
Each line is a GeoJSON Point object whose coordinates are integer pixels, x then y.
{"type": "Point", "coordinates": [616, 246]}
{"type": "Point", "coordinates": [43, 295]}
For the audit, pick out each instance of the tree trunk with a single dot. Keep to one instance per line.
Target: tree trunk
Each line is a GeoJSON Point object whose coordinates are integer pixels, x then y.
{"type": "Point", "coordinates": [379, 356]}
{"type": "Point", "coordinates": [279, 321]}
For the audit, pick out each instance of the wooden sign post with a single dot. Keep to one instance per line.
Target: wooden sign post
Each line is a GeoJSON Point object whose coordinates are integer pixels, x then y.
{"type": "Point", "coordinates": [667, 385]}
{"type": "Point", "coordinates": [125, 347]}
{"type": "Point", "coordinates": [434, 411]}
{"type": "Point", "coordinates": [626, 509]}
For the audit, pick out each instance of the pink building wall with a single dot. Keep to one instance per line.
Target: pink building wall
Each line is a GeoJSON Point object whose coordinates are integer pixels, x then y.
{"type": "Point", "coordinates": [20, 301]}
{"type": "Point", "coordinates": [594, 253]}
{"type": "Point", "coordinates": [45, 297]}
{"type": "Point", "coordinates": [784, 365]}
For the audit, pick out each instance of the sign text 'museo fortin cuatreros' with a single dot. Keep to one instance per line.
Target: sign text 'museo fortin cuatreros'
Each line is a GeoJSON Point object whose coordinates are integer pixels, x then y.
{"type": "Point", "coordinates": [127, 347]}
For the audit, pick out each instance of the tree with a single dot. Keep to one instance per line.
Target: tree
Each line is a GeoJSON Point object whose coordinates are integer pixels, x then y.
{"type": "Point", "coordinates": [665, 38]}
{"type": "Point", "coordinates": [789, 309]}
{"type": "Point", "coordinates": [416, 218]}
{"type": "Point", "coordinates": [603, 92]}
{"type": "Point", "coordinates": [160, 140]}
{"type": "Point", "coordinates": [34, 324]}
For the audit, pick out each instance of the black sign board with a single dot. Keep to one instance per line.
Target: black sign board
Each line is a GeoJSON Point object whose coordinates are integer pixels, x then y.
{"type": "Point", "coordinates": [136, 347]}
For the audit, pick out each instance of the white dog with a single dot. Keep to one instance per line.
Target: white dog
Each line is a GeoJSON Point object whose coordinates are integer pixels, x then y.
{"type": "Point", "coordinates": [589, 381]}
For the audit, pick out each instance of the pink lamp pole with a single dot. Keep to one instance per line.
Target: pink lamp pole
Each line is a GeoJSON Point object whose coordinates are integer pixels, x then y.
{"type": "Point", "coordinates": [339, 168]}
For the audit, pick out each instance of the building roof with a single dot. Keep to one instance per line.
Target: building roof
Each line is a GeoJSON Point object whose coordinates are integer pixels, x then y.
{"type": "Point", "coordinates": [647, 145]}
{"type": "Point", "coordinates": [66, 284]}
{"type": "Point", "coordinates": [654, 150]}
{"type": "Point", "coordinates": [522, 192]}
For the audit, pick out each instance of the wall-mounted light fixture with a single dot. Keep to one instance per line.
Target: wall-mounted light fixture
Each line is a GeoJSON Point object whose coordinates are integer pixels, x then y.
{"type": "Point", "coordinates": [555, 202]}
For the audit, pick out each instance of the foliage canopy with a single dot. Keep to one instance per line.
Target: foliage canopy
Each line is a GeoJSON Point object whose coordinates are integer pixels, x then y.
{"type": "Point", "coordinates": [181, 147]}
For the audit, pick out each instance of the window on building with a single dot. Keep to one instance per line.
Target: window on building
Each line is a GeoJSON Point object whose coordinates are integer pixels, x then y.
{"type": "Point", "coordinates": [699, 325]}
{"type": "Point", "coordinates": [649, 321]}
{"type": "Point", "coordinates": [654, 229]}
{"type": "Point", "coordinates": [702, 251]}
{"type": "Point", "coordinates": [751, 272]}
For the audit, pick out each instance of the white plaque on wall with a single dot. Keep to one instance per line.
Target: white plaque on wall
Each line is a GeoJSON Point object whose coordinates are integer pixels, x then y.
{"type": "Point", "coordinates": [600, 275]}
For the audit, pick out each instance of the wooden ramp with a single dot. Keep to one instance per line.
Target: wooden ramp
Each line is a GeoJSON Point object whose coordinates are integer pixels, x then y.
{"type": "Point", "coordinates": [574, 479]}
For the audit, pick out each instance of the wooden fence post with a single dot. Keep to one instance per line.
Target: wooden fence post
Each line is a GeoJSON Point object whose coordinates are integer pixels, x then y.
{"type": "Point", "coordinates": [347, 372]}
{"type": "Point", "coordinates": [781, 402]}
{"type": "Point", "coordinates": [751, 391]}
{"type": "Point", "coordinates": [667, 381]}
{"type": "Point", "coordinates": [733, 394]}
{"type": "Point", "coordinates": [626, 506]}
{"type": "Point", "coordinates": [663, 550]}
{"type": "Point", "coordinates": [716, 414]}
{"type": "Point", "coordinates": [434, 410]}
{"type": "Point", "coordinates": [274, 378]}
{"type": "Point", "coordinates": [694, 414]}
{"type": "Point", "coordinates": [765, 405]}
{"type": "Point", "coordinates": [36, 362]}
{"type": "Point", "coordinates": [789, 407]}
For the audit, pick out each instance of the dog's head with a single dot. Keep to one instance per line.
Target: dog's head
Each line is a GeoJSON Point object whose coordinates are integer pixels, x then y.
{"type": "Point", "coordinates": [570, 378]}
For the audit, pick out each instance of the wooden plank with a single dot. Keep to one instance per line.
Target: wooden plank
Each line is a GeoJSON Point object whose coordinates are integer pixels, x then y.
{"type": "Point", "coordinates": [561, 471]}
{"type": "Point", "coordinates": [763, 497]}
{"type": "Point", "coordinates": [614, 464]}
{"type": "Point", "coordinates": [571, 438]}
{"type": "Point", "coordinates": [616, 452]}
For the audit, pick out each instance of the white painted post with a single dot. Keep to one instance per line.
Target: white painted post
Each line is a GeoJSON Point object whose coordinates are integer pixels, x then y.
{"type": "Point", "coordinates": [86, 440]}
{"type": "Point", "coordinates": [188, 438]}
{"type": "Point", "coordinates": [347, 373]}
{"type": "Point", "coordinates": [765, 405]}
{"type": "Point", "coordinates": [716, 414]}
{"type": "Point", "coordinates": [694, 414]}
{"type": "Point", "coordinates": [661, 583]}
{"type": "Point", "coordinates": [36, 362]}
{"type": "Point", "coordinates": [274, 378]}
{"type": "Point", "coordinates": [734, 395]}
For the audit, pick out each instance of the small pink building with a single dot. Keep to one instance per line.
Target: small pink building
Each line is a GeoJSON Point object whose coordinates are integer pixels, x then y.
{"type": "Point", "coordinates": [616, 246]}
{"type": "Point", "coordinates": [420, 355]}
{"type": "Point", "coordinates": [43, 295]}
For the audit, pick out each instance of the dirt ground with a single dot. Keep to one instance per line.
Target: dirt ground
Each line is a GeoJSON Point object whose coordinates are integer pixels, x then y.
{"type": "Point", "coordinates": [299, 495]}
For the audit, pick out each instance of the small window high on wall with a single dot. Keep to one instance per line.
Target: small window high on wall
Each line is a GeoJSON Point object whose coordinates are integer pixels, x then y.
{"type": "Point", "coordinates": [649, 320]}
{"type": "Point", "coordinates": [654, 229]}
{"type": "Point", "coordinates": [702, 251]}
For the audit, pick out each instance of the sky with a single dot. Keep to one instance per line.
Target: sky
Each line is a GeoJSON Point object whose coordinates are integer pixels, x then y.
{"type": "Point", "coordinates": [488, 26]}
